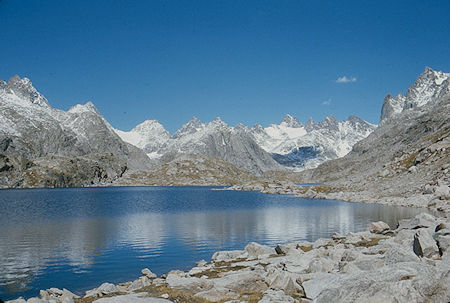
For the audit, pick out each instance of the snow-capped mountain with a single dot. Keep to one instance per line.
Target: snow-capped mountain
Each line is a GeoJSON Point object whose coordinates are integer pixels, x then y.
{"type": "Point", "coordinates": [149, 136]}
{"type": "Point", "coordinates": [30, 128]}
{"type": "Point", "coordinates": [215, 139]}
{"type": "Point", "coordinates": [301, 147]}
{"type": "Point", "coordinates": [428, 88]}
{"type": "Point", "coordinates": [288, 144]}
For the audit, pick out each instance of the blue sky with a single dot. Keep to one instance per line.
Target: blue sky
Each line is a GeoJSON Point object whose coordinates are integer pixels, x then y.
{"type": "Point", "coordinates": [245, 61]}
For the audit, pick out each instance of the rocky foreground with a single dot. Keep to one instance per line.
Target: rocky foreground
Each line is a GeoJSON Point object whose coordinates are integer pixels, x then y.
{"type": "Point", "coordinates": [408, 264]}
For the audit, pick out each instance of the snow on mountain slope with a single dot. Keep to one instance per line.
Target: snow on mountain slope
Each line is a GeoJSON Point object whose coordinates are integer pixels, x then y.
{"type": "Point", "coordinates": [149, 136]}
{"type": "Point", "coordinates": [34, 129]}
{"type": "Point", "coordinates": [301, 147]}
{"type": "Point", "coordinates": [217, 139]}
{"type": "Point", "coordinates": [428, 88]}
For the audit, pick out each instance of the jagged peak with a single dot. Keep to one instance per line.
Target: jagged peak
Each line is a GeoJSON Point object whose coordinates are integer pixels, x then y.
{"type": "Point", "coordinates": [437, 76]}
{"type": "Point", "coordinates": [194, 119]}
{"type": "Point", "coordinates": [82, 108]}
{"type": "Point", "coordinates": [291, 121]}
{"type": "Point", "coordinates": [148, 125]}
{"type": "Point", "coordinates": [330, 118]}
{"type": "Point", "coordinates": [309, 126]}
{"type": "Point", "coordinates": [355, 118]}
{"type": "Point", "coordinates": [241, 127]}
{"type": "Point", "coordinates": [24, 89]}
{"type": "Point", "coordinates": [218, 122]}
{"type": "Point", "coordinates": [190, 127]}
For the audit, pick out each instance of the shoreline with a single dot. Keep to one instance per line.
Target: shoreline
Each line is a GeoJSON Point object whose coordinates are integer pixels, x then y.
{"type": "Point", "coordinates": [290, 188]}
{"type": "Point", "coordinates": [409, 263]}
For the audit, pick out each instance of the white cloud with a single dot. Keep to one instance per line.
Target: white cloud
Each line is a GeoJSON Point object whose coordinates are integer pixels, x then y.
{"type": "Point", "coordinates": [326, 102]}
{"type": "Point", "coordinates": [344, 79]}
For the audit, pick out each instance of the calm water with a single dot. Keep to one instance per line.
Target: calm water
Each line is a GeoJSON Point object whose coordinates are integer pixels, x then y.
{"type": "Point", "coordinates": [79, 238]}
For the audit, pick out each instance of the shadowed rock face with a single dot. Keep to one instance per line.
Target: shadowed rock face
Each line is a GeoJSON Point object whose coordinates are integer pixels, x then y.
{"type": "Point", "coordinates": [429, 87]}
{"type": "Point", "coordinates": [407, 156]}
{"type": "Point", "coordinates": [32, 132]}
{"type": "Point", "coordinates": [215, 139]}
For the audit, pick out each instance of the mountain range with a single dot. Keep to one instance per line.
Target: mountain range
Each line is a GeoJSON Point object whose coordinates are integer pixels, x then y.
{"type": "Point", "coordinates": [41, 146]}
{"type": "Point", "coordinates": [288, 144]}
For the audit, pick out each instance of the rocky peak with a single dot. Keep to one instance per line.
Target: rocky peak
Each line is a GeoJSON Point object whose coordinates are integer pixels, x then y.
{"type": "Point", "coordinates": [23, 88]}
{"type": "Point", "coordinates": [190, 127]}
{"type": "Point", "coordinates": [88, 107]}
{"type": "Point", "coordinates": [290, 121]}
{"type": "Point", "coordinates": [426, 88]}
{"type": "Point", "coordinates": [218, 122]}
{"type": "Point", "coordinates": [309, 126]}
{"type": "Point", "coordinates": [258, 128]}
{"type": "Point", "coordinates": [148, 125]}
{"type": "Point", "coordinates": [329, 122]}
{"type": "Point", "coordinates": [392, 106]}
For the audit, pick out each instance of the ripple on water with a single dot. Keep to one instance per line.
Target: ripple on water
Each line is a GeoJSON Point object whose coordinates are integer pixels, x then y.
{"type": "Point", "coordinates": [77, 237]}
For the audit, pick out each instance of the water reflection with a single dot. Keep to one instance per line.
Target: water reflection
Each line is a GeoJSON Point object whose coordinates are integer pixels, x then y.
{"type": "Point", "coordinates": [74, 238]}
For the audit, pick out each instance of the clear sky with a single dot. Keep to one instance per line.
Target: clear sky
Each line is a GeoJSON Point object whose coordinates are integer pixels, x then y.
{"type": "Point", "coordinates": [245, 61]}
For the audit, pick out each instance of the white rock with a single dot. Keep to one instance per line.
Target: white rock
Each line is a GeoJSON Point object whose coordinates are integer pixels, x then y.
{"type": "Point", "coordinates": [107, 288]}
{"type": "Point", "coordinates": [275, 296]}
{"type": "Point", "coordinates": [424, 244]}
{"type": "Point", "coordinates": [442, 238]}
{"type": "Point", "coordinates": [132, 298]}
{"type": "Point", "coordinates": [378, 227]}
{"type": "Point", "coordinates": [148, 273]}
{"type": "Point", "coordinates": [419, 221]}
{"type": "Point", "coordinates": [188, 284]}
{"type": "Point", "coordinates": [136, 284]}
{"type": "Point", "coordinates": [217, 294]}
{"type": "Point", "coordinates": [229, 255]}
{"type": "Point", "coordinates": [254, 249]}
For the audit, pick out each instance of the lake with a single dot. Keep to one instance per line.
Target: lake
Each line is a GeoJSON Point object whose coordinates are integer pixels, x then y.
{"type": "Point", "coordinates": [78, 238]}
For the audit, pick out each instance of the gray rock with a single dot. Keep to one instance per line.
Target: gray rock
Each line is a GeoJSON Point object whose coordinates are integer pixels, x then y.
{"type": "Point", "coordinates": [107, 288]}
{"type": "Point", "coordinates": [442, 238]}
{"type": "Point", "coordinates": [275, 296]}
{"type": "Point", "coordinates": [420, 221]}
{"type": "Point", "coordinates": [148, 273]}
{"type": "Point", "coordinates": [254, 250]}
{"type": "Point", "coordinates": [424, 244]}
{"type": "Point", "coordinates": [228, 255]}
{"type": "Point", "coordinates": [378, 227]}
{"type": "Point", "coordinates": [132, 298]}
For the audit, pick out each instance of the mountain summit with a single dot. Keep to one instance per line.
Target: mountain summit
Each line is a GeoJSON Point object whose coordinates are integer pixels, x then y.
{"type": "Point", "coordinates": [428, 88]}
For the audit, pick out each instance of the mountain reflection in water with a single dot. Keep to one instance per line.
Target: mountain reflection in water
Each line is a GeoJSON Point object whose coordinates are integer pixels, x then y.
{"type": "Point", "coordinates": [79, 238]}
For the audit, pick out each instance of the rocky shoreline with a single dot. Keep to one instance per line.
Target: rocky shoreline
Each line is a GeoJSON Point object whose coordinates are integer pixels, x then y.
{"type": "Point", "coordinates": [410, 263]}
{"type": "Point", "coordinates": [436, 199]}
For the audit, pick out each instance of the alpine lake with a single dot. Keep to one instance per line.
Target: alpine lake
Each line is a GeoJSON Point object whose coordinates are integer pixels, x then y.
{"type": "Point", "coordinates": [78, 238]}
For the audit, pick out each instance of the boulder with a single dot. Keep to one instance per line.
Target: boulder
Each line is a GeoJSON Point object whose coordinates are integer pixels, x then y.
{"type": "Point", "coordinates": [107, 288]}
{"type": "Point", "coordinates": [37, 300]}
{"type": "Point", "coordinates": [132, 298]}
{"type": "Point", "coordinates": [275, 296]}
{"type": "Point", "coordinates": [136, 284]}
{"type": "Point", "coordinates": [146, 272]}
{"type": "Point", "coordinates": [283, 280]}
{"type": "Point", "coordinates": [378, 227]}
{"type": "Point", "coordinates": [217, 294]}
{"type": "Point", "coordinates": [255, 250]}
{"type": "Point", "coordinates": [188, 284]}
{"type": "Point", "coordinates": [61, 296]}
{"type": "Point", "coordinates": [442, 238]}
{"type": "Point", "coordinates": [229, 255]}
{"type": "Point", "coordinates": [420, 221]}
{"type": "Point", "coordinates": [424, 245]}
